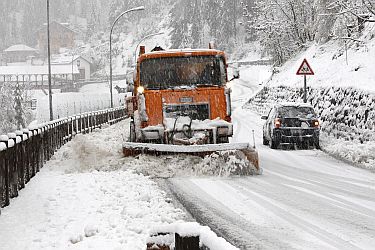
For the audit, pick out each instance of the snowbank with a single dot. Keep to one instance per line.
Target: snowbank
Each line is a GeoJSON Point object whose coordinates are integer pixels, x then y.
{"type": "Point", "coordinates": [70, 204]}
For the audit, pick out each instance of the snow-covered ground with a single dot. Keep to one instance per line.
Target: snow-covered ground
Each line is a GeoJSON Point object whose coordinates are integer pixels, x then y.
{"type": "Point", "coordinates": [90, 97]}
{"type": "Point", "coordinates": [331, 65]}
{"type": "Point", "coordinates": [87, 197]}
{"type": "Point", "coordinates": [90, 197]}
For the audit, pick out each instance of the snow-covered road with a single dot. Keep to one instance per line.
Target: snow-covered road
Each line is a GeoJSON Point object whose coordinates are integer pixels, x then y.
{"type": "Point", "coordinates": [304, 199]}
{"type": "Point", "coordinates": [89, 197]}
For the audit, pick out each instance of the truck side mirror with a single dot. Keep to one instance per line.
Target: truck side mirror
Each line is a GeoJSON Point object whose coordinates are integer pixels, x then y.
{"type": "Point", "coordinates": [264, 117]}
{"type": "Point", "coordinates": [236, 74]}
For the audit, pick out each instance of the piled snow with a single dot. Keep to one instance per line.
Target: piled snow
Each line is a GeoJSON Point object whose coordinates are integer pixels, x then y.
{"type": "Point", "coordinates": [356, 152]}
{"type": "Point", "coordinates": [71, 205]}
{"type": "Point", "coordinates": [3, 146]}
{"type": "Point", "coordinates": [207, 237]}
{"type": "Point", "coordinates": [224, 164]}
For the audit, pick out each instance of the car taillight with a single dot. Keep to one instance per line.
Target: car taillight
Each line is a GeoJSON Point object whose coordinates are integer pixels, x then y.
{"type": "Point", "coordinates": [277, 123]}
{"type": "Point", "coordinates": [316, 124]}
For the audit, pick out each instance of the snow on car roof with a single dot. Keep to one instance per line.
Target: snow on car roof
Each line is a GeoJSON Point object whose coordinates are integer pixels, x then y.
{"type": "Point", "coordinates": [293, 104]}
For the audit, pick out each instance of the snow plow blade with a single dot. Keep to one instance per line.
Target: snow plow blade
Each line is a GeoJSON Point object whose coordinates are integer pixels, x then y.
{"type": "Point", "coordinates": [242, 150]}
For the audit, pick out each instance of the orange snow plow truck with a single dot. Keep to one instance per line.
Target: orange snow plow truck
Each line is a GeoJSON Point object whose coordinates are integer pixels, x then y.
{"type": "Point", "coordinates": [181, 105]}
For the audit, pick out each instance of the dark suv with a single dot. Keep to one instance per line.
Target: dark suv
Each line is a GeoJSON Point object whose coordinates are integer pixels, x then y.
{"type": "Point", "coordinates": [292, 123]}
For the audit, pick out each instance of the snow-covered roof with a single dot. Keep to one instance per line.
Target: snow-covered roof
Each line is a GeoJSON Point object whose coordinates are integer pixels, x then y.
{"type": "Point", "coordinates": [38, 70]}
{"type": "Point", "coordinates": [65, 25]}
{"type": "Point", "coordinates": [20, 47]}
{"type": "Point", "coordinates": [67, 59]}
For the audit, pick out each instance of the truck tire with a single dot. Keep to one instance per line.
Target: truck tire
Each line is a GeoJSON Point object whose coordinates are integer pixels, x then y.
{"type": "Point", "coordinates": [132, 137]}
{"type": "Point", "coordinates": [274, 143]}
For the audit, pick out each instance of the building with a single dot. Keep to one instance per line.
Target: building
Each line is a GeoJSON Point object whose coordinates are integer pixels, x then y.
{"type": "Point", "coordinates": [61, 36]}
{"type": "Point", "coordinates": [83, 64]}
{"type": "Point", "coordinates": [19, 53]}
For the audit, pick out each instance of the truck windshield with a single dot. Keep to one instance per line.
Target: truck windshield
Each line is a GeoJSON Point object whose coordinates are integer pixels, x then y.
{"type": "Point", "coordinates": [182, 72]}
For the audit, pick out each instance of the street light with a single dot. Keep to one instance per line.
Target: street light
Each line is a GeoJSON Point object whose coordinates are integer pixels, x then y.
{"type": "Point", "coordinates": [49, 66]}
{"type": "Point", "coordinates": [148, 36]}
{"type": "Point", "coordinates": [110, 47]}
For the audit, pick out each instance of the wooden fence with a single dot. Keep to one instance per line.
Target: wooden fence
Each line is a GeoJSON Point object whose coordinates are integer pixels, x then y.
{"type": "Point", "coordinates": [23, 153]}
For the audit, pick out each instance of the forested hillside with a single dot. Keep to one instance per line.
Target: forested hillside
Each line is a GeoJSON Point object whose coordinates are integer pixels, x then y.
{"type": "Point", "coordinates": [21, 19]}
{"type": "Point", "coordinates": [283, 27]}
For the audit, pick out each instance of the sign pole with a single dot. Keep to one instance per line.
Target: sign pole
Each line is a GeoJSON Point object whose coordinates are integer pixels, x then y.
{"type": "Point", "coordinates": [305, 89]}
{"type": "Point", "coordinates": [305, 70]}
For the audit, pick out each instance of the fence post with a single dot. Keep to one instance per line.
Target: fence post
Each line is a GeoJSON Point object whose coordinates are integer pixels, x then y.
{"type": "Point", "coordinates": [21, 163]}
{"type": "Point", "coordinates": [38, 151]}
{"type": "Point", "coordinates": [4, 171]}
{"type": "Point", "coordinates": [27, 136]}
{"type": "Point", "coordinates": [182, 243]}
{"type": "Point", "coordinates": [12, 161]}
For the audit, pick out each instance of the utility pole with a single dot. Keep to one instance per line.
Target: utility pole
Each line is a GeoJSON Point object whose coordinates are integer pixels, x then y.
{"type": "Point", "coordinates": [235, 20]}
{"type": "Point", "coordinates": [49, 66]}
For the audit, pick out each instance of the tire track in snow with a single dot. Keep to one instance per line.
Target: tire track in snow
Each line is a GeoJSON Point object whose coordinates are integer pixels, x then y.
{"type": "Point", "coordinates": [221, 220]}
{"type": "Point", "coordinates": [287, 214]}
{"type": "Point", "coordinates": [312, 206]}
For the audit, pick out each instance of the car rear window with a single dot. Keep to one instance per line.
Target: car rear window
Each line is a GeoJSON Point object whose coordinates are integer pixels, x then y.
{"type": "Point", "coordinates": [293, 111]}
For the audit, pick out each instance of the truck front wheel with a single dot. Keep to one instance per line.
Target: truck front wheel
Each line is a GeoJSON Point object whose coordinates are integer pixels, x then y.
{"type": "Point", "coordinates": [132, 137]}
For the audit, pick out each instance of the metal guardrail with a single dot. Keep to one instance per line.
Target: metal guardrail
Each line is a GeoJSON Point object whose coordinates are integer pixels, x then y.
{"type": "Point", "coordinates": [23, 153]}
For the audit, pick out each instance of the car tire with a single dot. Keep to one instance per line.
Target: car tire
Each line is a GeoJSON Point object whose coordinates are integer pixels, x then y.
{"type": "Point", "coordinates": [316, 143]}
{"type": "Point", "coordinates": [304, 145]}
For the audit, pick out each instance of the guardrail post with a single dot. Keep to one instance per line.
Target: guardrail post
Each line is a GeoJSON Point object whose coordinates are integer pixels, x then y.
{"type": "Point", "coordinates": [32, 149]}
{"type": "Point", "coordinates": [12, 159]}
{"type": "Point", "coordinates": [27, 138]}
{"type": "Point", "coordinates": [21, 161]}
{"type": "Point", "coordinates": [38, 151]}
{"type": "Point", "coordinates": [4, 173]}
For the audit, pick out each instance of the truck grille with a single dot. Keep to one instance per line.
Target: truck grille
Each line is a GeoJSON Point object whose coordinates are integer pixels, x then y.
{"type": "Point", "coordinates": [195, 111]}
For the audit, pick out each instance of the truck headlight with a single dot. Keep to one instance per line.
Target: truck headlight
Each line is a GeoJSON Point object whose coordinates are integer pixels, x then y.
{"type": "Point", "coordinates": [229, 85]}
{"type": "Point", "coordinates": [140, 90]}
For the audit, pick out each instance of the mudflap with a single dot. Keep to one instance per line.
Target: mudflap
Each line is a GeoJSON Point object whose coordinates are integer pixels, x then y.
{"type": "Point", "coordinates": [240, 150]}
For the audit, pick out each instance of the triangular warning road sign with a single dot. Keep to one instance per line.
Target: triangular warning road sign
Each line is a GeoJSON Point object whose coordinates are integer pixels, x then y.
{"type": "Point", "coordinates": [305, 68]}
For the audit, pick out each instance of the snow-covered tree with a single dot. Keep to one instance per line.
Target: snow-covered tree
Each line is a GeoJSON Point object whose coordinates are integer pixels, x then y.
{"type": "Point", "coordinates": [14, 113]}
{"type": "Point", "coordinates": [285, 26]}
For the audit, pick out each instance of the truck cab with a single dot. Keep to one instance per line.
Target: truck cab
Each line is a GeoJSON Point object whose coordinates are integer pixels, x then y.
{"type": "Point", "coordinates": [181, 97]}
